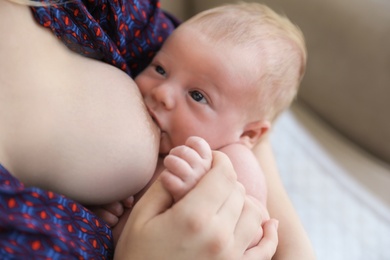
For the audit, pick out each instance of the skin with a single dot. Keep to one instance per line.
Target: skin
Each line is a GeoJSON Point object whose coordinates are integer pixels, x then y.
{"type": "Point", "coordinates": [201, 92]}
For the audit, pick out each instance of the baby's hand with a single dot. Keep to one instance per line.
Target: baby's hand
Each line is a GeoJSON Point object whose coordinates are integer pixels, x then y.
{"type": "Point", "coordinates": [185, 165]}
{"type": "Point", "coordinates": [111, 212]}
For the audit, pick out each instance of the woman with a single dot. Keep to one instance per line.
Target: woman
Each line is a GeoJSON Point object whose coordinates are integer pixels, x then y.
{"type": "Point", "coordinates": [63, 128]}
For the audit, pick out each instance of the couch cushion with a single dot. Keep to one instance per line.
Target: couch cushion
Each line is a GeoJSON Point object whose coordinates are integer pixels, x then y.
{"type": "Point", "coordinates": [348, 77]}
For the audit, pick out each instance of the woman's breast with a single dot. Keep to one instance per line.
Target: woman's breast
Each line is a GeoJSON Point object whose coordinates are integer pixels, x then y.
{"type": "Point", "coordinates": [69, 124]}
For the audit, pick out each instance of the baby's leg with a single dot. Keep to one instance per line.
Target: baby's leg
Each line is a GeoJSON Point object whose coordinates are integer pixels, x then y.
{"type": "Point", "coordinates": [185, 165]}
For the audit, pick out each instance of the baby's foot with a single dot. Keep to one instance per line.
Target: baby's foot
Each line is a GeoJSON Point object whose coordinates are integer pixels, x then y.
{"type": "Point", "coordinates": [185, 165]}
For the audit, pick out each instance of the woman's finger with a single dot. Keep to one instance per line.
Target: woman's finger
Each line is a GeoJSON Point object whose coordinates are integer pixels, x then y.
{"type": "Point", "coordinates": [128, 202]}
{"type": "Point", "coordinates": [115, 208]}
{"type": "Point", "coordinates": [248, 225]}
{"type": "Point", "coordinates": [266, 248]}
{"type": "Point", "coordinates": [155, 201]}
{"type": "Point", "coordinates": [107, 216]}
{"type": "Point", "coordinates": [230, 212]}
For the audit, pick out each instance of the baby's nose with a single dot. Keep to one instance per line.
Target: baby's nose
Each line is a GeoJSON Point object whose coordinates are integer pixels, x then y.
{"type": "Point", "coordinates": [164, 95]}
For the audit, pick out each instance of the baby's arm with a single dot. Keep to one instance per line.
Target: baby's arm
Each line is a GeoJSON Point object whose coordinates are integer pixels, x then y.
{"type": "Point", "coordinates": [249, 171]}
{"type": "Point", "coordinates": [185, 165]}
{"type": "Point", "coordinates": [250, 174]}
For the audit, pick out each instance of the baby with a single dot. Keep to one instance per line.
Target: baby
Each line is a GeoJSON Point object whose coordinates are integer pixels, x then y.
{"type": "Point", "coordinates": [218, 82]}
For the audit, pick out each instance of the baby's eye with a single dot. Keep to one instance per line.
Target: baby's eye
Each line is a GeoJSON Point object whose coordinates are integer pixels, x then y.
{"type": "Point", "coordinates": [198, 97]}
{"type": "Point", "coordinates": [160, 70]}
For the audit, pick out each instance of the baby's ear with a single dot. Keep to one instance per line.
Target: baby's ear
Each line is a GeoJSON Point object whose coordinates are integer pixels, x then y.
{"type": "Point", "coordinates": [253, 131]}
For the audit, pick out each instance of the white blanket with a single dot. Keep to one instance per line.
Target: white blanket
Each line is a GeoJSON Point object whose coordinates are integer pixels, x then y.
{"type": "Point", "coordinates": [341, 193]}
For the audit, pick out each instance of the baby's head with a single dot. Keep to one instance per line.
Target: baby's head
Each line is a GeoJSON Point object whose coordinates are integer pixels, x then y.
{"type": "Point", "coordinates": [224, 75]}
{"type": "Point", "coordinates": [276, 45]}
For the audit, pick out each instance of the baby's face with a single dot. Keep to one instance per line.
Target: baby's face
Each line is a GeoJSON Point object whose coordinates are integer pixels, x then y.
{"type": "Point", "coordinates": [194, 88]}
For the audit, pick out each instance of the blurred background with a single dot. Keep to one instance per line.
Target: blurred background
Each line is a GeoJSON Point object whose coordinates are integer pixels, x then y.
{"type": "Point", "coordinates": [333, 145]}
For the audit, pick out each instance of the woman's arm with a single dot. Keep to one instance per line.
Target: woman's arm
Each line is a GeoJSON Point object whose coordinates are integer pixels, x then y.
{"type": "Point", "coordinates": [293, 240]}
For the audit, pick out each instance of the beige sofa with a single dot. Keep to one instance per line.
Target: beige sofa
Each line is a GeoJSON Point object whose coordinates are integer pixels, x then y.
{"type": "Point", "coordinates": [333, 145]}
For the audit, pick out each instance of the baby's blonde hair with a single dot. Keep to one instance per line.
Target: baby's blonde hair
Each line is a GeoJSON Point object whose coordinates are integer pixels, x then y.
{"type": "Point", "coordinates": [278, 43]}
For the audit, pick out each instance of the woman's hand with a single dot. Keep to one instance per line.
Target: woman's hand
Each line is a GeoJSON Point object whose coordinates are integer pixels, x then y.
{"type": "Point", "coordinates": [215, 220]}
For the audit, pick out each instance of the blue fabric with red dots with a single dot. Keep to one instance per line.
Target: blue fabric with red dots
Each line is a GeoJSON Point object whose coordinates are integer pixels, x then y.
{"type": "Point", "coordinates": [39, 224]}
{"type": "Point", "coordinates": [124, 33]}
